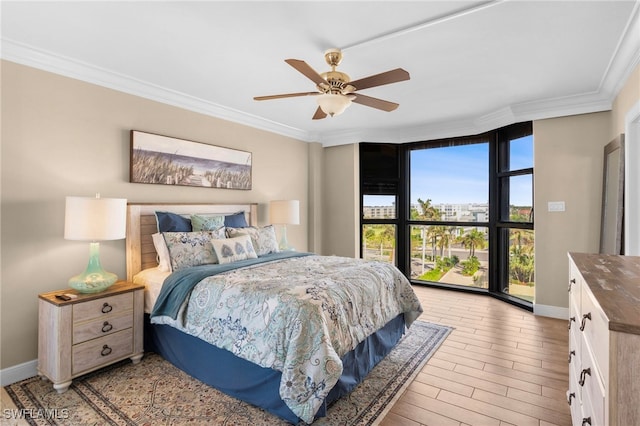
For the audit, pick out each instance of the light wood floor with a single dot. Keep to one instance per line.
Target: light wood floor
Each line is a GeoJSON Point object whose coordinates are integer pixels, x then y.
{"type": "Point", "coordinates": [501, 365]}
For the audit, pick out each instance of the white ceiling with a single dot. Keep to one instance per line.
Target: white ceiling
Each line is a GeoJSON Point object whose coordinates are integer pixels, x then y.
{"type": "Point", "coordinates": [474, 65]}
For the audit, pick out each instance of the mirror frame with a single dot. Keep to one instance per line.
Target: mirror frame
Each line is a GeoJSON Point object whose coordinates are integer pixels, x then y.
{"type": "Point", "coordinates": [612, 219]}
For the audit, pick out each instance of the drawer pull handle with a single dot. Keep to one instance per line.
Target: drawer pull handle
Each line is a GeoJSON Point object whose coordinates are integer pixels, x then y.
{"type": "Point", "coordinates": [106, 308]}
{"type": "Point", "coordinates": [106, 327]}
{"type": "Point", "coordinates": [573, 281]}
{"type": "Point", "coordinates": [586, 421]}
{"type": "Point", "coordinates": [585, 317]}
{"type": "Point", "coordinates": [572, 319]}
{"type": "Point", "coordinates": [571, 396]}
{"type": "Point", "coordinates": [571, 354]}
{"type": "Point", "coordinates": [106, 350]}
{"type": "Point", "coordinates": [583, 376]}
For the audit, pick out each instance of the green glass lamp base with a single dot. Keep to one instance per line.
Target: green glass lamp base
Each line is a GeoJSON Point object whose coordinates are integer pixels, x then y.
{"type": "Point", "coordinates": [94, 279]}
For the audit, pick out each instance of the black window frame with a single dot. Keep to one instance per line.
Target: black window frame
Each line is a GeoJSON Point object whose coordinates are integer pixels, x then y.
{"type": "Point", "coordinates": [498, 224]}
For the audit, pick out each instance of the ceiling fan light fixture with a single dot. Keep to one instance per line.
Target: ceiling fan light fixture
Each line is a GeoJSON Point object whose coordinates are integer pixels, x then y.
{"type": "Point", "coordinates": [334, 104]}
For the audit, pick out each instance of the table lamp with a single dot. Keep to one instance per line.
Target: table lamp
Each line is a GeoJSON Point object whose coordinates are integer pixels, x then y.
{"type": "Point", "coordinates": [284, 212]}
{"type": "Point", "coordinates": [94, 219]}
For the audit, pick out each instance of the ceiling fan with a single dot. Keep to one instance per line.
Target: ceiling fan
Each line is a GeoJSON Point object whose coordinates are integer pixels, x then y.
{"type": "Point", "coordinates": [336, 91]}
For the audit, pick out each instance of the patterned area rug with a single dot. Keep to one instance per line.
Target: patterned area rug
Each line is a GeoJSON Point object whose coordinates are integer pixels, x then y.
{"type": "Point", "coordinates": [154, 392]}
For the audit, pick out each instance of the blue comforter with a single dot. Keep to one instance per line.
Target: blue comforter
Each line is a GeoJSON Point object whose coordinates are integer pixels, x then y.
{"type": "Point", "coordinates": [292, 312]}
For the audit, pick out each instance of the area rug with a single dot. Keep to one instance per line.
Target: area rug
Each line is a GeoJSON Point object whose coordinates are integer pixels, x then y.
{"type": "Point", "coordinates": [155, 392]}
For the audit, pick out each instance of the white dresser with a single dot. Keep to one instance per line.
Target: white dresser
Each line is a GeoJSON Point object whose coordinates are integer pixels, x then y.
{"type": "Point", "coordinates": [89, 332]}
{"type": "Point", "coordinates": [604, 339]}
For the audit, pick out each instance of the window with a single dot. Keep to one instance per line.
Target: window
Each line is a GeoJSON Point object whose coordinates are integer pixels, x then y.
{"type": "Point", "coordinates": [449, 196]}
{"type": "Point", "coordinates": [455, 212]}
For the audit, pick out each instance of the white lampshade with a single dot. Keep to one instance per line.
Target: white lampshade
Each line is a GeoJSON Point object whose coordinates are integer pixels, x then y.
{"type": "Point", "coordinates": [334, 104]}
{"type": "Point", "coordinates": [95, 219]}
{"type": "Point", "coordinates": [284, 212]}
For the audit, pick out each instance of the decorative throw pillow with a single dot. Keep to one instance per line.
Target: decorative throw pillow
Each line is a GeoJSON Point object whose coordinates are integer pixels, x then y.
{"type": "Point", "coordinates": [190, 248]}
{"type": "Point", "coordinates": [263, 239]}
{"type": "Point", "coordinates": [206, 222]}
{"type": "Point", "coordinates": [236, 220]}
{"type": "Point", "coordinates": [233, 249]}
{"type": "Point", "coordinates": [172, 222]}
{"type": "Point", "coordinates": [164, 260]}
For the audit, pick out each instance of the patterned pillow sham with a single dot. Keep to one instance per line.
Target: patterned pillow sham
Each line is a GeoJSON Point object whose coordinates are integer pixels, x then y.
{"type": "Point", "coordinates": [207, 222]}
{"type": "Point", "coordinates": [263, 239]}
{"type": "Point", "coordinates": [191, 248]}
{"type": "Point", "coordinates": [233, 249]}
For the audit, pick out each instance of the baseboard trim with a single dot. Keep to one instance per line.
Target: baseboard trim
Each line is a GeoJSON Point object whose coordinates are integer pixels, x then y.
{"type": "Point", "coordinates": [18, 372]}
{"type": "Point", "coordinates": [551, 311]}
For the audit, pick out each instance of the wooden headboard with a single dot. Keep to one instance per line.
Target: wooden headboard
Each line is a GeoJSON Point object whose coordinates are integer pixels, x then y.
{"type": "Point", "coordinates": [141, 224]}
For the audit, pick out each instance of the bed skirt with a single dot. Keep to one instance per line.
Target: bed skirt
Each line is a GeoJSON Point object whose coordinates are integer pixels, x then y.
{"type": "Point", "coordinates": [257, 385]}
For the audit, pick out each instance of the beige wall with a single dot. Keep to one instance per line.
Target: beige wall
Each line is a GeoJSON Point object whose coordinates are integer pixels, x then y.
{"type": "Point", "coordinates": [568, 155]}
{"type": "Point", "coordinates": [341, 205]}
{"type": "Point", "coordinates": [64, 137]}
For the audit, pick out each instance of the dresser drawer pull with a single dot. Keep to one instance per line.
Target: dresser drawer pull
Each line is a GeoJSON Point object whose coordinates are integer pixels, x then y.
{"type": "Point", "coordinates": [585, 317]}
{"type": "Point", "coordinates": [106, 350]}
{"type": "Point", "coordinates": [586, 421]}
{"type": "Point", "coordinates": [106, 308]}
{"type": "Point", "coordinates": [571, 354]}
{"type": "Point", "coordinates": [106, 327]}
{"type": "Point", "coordinates": [572, 319]}
{"type": "Point", "coordinates": [571, 396]}
{"type": "Point", "coordinates": [583, 376]}
{"type": "Point", "coordinates": [573, 281]}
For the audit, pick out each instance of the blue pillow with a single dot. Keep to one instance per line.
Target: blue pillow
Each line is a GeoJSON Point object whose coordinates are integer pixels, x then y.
{"type": "Point", "coordinates": [236, 220]}
{"type": "Point", "coordinates": [171, 222]}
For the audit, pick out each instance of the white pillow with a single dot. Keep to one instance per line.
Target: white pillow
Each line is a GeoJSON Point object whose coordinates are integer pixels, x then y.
{"type": "Point", "coordinates": [164, 261]}
{"type": "Point", "coordinates": [233, 249]}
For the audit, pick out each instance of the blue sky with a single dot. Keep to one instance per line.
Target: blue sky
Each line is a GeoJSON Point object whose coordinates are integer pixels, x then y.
{"type": "Point", "coordinates": [461, 174]}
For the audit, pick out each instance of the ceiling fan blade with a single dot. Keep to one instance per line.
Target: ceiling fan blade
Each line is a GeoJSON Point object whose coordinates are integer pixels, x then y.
{"type": "Point", "coordinates": [375, 102]}
{"type": "Point", "coordinates": [381, 79]}
{"type": "Point", "coordinates": [286, 95]}
{"type": "Point", "coordinates": [304, 68]}
{"type": "Point", "coordinates": [320, 114]}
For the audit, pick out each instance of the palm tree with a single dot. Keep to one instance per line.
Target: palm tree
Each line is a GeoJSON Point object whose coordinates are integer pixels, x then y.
{"type": "Point", "coordinates": [428, 212]}
{"type": "Point", "coordinates": [451, 230]}
{"type": "Point", "coordinates": [471, 240]}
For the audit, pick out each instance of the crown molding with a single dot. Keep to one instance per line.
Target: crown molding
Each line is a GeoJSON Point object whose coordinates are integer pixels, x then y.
{"type": "Point", "coordinates": [37, 58]}
{"type": "Point", "coordinates": [526, 111]}
{"type": "Point", "coordinates": [624, 60]}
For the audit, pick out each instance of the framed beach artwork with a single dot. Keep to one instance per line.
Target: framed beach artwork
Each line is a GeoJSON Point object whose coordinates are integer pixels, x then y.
{"type": "Point", "coordinates": [170, 161]}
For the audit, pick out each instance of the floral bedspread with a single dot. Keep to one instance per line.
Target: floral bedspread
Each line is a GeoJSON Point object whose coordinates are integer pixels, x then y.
{"type": "Point", "coordinates": [298, 316]}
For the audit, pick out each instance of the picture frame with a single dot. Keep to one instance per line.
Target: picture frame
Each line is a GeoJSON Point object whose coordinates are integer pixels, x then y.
{"type": "Point", "coordinates": [166, 160]}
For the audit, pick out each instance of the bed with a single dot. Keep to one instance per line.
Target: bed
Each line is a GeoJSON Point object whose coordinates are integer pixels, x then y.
{"type": "Point", "coordinates": [289, 332]}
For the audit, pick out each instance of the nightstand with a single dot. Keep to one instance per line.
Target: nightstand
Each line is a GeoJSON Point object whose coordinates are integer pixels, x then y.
{"type": "Point", "coordinates": [91, 331]}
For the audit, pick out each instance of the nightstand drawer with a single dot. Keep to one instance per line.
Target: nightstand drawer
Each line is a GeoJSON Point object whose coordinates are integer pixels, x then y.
{"type": "Point", "coordinates": [102, 327]}
{"type": "Point", "coordinates": [101, 307]}
{"type": "Point", "coordinates": [104, 350]}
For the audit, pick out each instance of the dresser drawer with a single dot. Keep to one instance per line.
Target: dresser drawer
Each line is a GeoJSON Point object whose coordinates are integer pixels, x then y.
{"type": "Point", "coordinates": [596, 333]}
{"type": "Point", "coordinates": [101, 307]}
{"type": "Point", "coordinates": [104, 350]}
{"type": "Point", "coordinates": [102, 327]}
{"type": "Point", "coordinates": [593, 392]}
